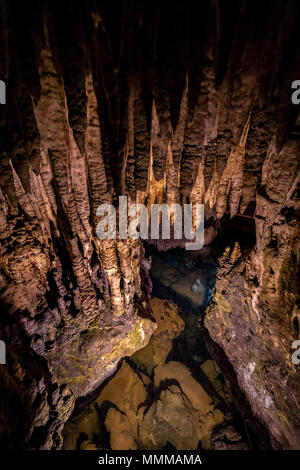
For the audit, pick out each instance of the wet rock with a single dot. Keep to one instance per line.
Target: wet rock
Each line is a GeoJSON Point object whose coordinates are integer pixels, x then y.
{"type": "Point", "coordinates": [203, 406]}
{"type": "Point", "coordinates": [214, 374]}
{"type": "Point", "coordinates": [246, 320]}
{"type": "Point", "coordinates": [70, 436]}
{"type": "Point", "coordinates": [226, 438]}
{"type": "Point", "coordinates": [189, 386]}
{"type": "Point", "coordinates": [171, 419]}
{"type": "Point", "coordinates": [88, 445]}
{"type": "Point", "coordinates": [126, 391]}
{"type": "Point", "coordinates": [164, 404]}
{"type": "Point", "coordinates": [121, 434]}
{"type": "Point", "coordinates": [169, 326]}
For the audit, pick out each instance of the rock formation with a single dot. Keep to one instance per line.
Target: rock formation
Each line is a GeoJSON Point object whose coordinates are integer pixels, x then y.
{"type": "Point", "coordinates": [188, 101]}
{"type": "Point", "coordinates": [161, 403]}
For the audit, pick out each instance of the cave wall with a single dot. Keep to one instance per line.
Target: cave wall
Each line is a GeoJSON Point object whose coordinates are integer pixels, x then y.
{"type": "Point", "coordinates": [174, 102]}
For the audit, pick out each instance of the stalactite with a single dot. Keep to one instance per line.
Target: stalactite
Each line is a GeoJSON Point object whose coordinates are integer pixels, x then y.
{"type": "Point", "coordinates": [182, 103]}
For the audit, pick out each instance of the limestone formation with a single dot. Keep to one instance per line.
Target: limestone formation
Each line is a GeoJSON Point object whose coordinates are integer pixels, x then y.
{"type": "Point", "coordinates": [151, 403]}
{"type": "Point", "coordinates": [177, 102]}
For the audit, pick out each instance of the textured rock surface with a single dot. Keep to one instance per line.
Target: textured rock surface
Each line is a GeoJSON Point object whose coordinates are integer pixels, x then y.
{"type": "Point", "coordinates": [188, 101]}
{"type": "Point", "coordinates": [169, 326]}
{"type": "Point", "coordinates": [253, 323]}
{"type": "Point", "coordinates": [151, 403]}
{"type": "Point", "coordinates": [226, 438]}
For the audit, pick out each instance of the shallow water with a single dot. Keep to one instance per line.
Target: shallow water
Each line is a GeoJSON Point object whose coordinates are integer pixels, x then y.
{"type": "Point", "coordinates": [160, 387]}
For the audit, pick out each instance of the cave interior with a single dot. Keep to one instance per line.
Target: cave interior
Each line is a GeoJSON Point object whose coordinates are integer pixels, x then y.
{"type": "Point", "coordinates": [138, 343]}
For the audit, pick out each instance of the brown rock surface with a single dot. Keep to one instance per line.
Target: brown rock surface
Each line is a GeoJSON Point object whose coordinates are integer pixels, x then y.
{"type": "Point", "coordinates": [167, 406]}
{"type": "Point", "coordinates": [185, 101]}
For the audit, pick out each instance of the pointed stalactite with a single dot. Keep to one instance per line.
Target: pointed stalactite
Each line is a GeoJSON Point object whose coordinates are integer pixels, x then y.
{"type": "Point", "coordinates": [54, 131]}
{"type": "Point", "coordinates": [231, 183]}
{"type": "Point", "coordinates": [172, 179]}
{"type": "Point", "coordinates": [130, 161]}
{"type": "Point", "coordinates": [93, 151]}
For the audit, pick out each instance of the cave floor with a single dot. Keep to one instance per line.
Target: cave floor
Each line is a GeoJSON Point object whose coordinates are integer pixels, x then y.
{"type": "Point", "coordinates": [171, 394]}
